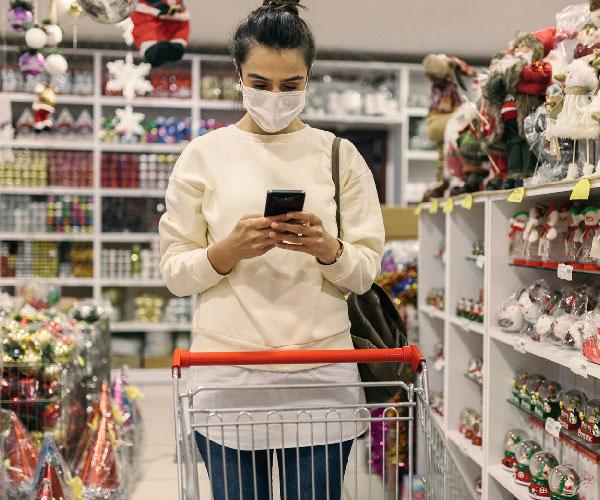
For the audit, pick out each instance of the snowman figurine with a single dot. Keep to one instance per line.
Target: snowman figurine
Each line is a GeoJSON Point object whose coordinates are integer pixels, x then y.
{"type": "Point", "coordinates": [516, 246]}
{"type": "Point", "coordinates": [553, 235]}
{"type": "Point", "coordinates": [574, 234]}
{"type": "Point", "coordinates": [591, 230]}
{"type": "Point", "coordinates": [531, 235]}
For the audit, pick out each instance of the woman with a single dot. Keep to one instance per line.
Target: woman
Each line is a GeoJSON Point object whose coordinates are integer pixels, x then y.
{"type": "Point", "coordinates": [271, 283]}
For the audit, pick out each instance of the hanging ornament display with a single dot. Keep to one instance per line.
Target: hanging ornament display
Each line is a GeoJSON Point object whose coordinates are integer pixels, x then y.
{"type": "Point", "coordinates": [161, 30]}
{"type": "Point", "coordinates": [56, 64]}
{"type": "Point", "coordinates": [20, 14]}
{"type": "Point", "coordinates": [129, 78]}
{"type": "Point", "coordinates": [54, 34]}
{"type": "Point", "coordinates": [63, 6]}
{"type": "Point", "coordinates": [129, 123]}
{"type": "Point", "coordinates": [35, 37]}
{"type": "Point", "coordinates": [108, 12]}
{"type": "Point", "coordinates": [43, 108]}
{"type": "Point", "coordinates": [32, 63]}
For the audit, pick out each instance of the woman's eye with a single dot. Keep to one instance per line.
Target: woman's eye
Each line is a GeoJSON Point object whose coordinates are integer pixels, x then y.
{"type": "Point", "coordinates": [260, 86]}
{"type": "Point", "coordinates": [290, 88]}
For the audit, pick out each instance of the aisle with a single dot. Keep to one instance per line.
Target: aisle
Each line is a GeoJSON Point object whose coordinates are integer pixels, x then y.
{"type": "Point", "coordinates": [158, 456]}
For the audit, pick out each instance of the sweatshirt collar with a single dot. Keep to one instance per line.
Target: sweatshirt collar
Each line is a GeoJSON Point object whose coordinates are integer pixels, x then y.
{"type": "Point", "coordinates": [296, 136]}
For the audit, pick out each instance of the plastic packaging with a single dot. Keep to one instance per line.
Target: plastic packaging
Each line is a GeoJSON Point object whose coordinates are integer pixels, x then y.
{"type": "Point", "coordinates": [540, 466]}
{"type": "Point", "coordinates": [572, 403]}
{"type": "Point", "coordinates": [589, 429]}
{"type": "Point", "coordinates": [510, 317]}
{"type": "Point", "coordinates": [554, 235]}
{"type": "Point", "coordinates": [511, 440]}
{"type": "Point", "coordinates": [531, 235]}
{"type": "Point", "coordinates": [534, 301]}
{"type": "Point", "coordinates": [548, 400]}
{"type": "Point", "coordinates": [466, 419]}
{"type": "Point", "coordinates": [571, 308]}
{"type": "Point", "coordinates": [516, 236]}
{"type": "Point", "coordinates": [564, 482]}
{"type": "Point", "coordinates": [587, 258]}
{"type": "Point", "coordinates": [525, 450]}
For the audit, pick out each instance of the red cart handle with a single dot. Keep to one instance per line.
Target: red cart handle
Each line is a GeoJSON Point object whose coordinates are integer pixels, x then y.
{"type": "Point", "coordinates": [409, 354]}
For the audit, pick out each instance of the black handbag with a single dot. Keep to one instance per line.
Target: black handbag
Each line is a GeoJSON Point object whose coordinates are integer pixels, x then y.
{"type": "Point", "coordinates": [375, 321]}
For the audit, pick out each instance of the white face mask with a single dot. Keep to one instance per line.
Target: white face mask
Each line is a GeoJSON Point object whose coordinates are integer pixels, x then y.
{"type": "Point", "coordinates": [273, 111]}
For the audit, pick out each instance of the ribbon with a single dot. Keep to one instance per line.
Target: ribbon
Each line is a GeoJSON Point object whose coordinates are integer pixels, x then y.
{"type": "Point", "coordinates": [514, 229]}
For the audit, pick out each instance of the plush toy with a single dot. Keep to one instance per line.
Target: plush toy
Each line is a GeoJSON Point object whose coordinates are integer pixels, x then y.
{"type": "Point", "coordinates": [553, 235]}
{"type": "Point", "coordinates": [574, 234]}
{"type": "Point", "coordinates": [591, 231]}
{"type": "Point", "coordinates": [43, 108]}
{"type": "Point", "coordinates": [531, 234]}
{"type": "Point", "coordinates": [588, 39]}
{"type": "Point", "coordinates": [446, 74]}
{"type": "Point", "coordinates": [516, 248]}
{"type": "Point", "coordinates": [161, 30]}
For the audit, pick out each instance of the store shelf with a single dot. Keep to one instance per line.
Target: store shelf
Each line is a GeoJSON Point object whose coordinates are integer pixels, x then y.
{"type": "Point", "coordinates": [417, 112]}
{"type": "Point", "coordinates": [46, 190]}
{"type": "Point", "coordinates": [467, 325]}
{"type": "Point", "coordinates": [47, 236]}
{"type": "Point", "coordinates": [553, 269]}
{"type": "Point", "coordinates": [555, 354]}
{"type": "Point", "coordinates": [132, 326]}
{"type": "Point", "coordinates": [147, 102]}
{"type": "Point", "coordinates": [352, 119]}
{"type": "Point", "coordinates": [475, 453]}
{"type": "Point", "coordinates": [505, 479]}
{"type": "Point", "coordinates": [132, 283]}
{"type": "Point", "coordinates": [128, 237]}
{"type": "Point", "coordinates": [133, 192]}
{"type": "Point", "coordinates": [439, 420]}
{"type": "Point", "coordinates": [50, 143]}
{"type": "Point", "coordinates": [218, 105]}
{"type": "Point", "coordinates": [142, 148]}
{"type": "Point", "coordinates": [552, 188]}
{"type": "Point", "coordinates": [422, 155]}
{"type": "Point", "coordinates": [83, 100]}
{"type": "Point", "coordinates": [432, 312]}
{"type": "Point", "coordinates": [70, 282]}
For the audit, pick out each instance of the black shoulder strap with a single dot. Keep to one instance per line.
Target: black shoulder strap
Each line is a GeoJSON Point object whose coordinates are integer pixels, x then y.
{"type": "Point", "coordinates": [335, 173]}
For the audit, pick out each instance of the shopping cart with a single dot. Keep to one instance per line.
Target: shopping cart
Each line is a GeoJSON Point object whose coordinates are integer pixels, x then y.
{"type": "Point", "coordinates": [380, 468]}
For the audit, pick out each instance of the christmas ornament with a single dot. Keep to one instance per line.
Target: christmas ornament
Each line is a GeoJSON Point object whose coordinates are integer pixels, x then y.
{"type": "Point", "coordinates": [466, 420]}
{"type": "Point", "coordinates": [510, 317]}
{"type": "Point", "coordinates": [108, 12]}
{"type": "Point", "coordinates": [84, 125]}
{"type": "Point", "coordinates": [161, 30]}
{"type": "Point", "coordinates": [548, 400]}
{"type": "Point", "coordinates": [523, 453]}
{"type": "Point", "coordinates": [531, 235]}
{"type": "Point", "coordinates": [572, 403]}
{"type": "Point", "coordinates": [511, 440]}
{"type": "Point", "coordinates": [516, 248]}
{"type": "Point", "coordinates": [590, 422]}
{"type": "Point", "coordinates": [56, 64]}
{"type": "Point", "coordinates": [54, 34]}
{"type": "Point", "coordinates": [590, 347]}
{"type": "Point", "coordinates": [529, 391]}
{"type": "Point", "coordinates": [20, 455]}
{"type": "Point", "coordinates": [52, 468]}
{"type": "Point", "coordinates": [20, 14]}
{"type": "Point", "coordinates": [128, 77]}
{"type": "Point", "coordinates": [574, 235]}
{"type": "Point", "coordinates": [540, 465]}
{"type": "Point", "coordinates": [32, 63]}
{"type": "Point", "coordinates": [44, 107]}
{"type": "Point", "coordinates": [517, 384]}
{"type": "Point", "coordinates": [126, 26]}
{"type": "Point", "coordinates": [63, 6]}
{"type": "Point", "coordinates": [564, 483]}
{"type": "Point", "coordinates": [591, 231]}
{"type": "Point", "coordinates": [553, 235]}
{"type": "Point", "coordinates": [129, 123]}
{"type": "Point", "coordinates": [35, 38]}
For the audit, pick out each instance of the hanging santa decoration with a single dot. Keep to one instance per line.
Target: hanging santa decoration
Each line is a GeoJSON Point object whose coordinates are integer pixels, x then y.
{"type": "Point", "coordinates": [43, 108]}
{"type": "Point", "coordinates": [161, 30]}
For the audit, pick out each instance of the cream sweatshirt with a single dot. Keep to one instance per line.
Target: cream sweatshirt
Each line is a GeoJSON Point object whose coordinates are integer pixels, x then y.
{"type": "Point", "coordinates": [283, 299]}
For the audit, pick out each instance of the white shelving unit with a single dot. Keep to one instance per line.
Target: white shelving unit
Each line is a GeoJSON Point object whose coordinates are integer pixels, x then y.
{"type": "Point", "coordinates": [503, 354]}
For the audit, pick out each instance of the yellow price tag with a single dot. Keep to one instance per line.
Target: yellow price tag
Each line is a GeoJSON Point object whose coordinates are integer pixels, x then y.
{"type": "Point", "coordinates": [581, 191]}
{"type": "Point", "coordinates": [419, 209]}
{"type": "Point", "coordinates": [467, 203]}
{"type": "Point", "coordinates": [449, 206]}
{"type": "Point", "coordinates": [435, 206]}
{"type": "Point", "coordinates": [517, 195]}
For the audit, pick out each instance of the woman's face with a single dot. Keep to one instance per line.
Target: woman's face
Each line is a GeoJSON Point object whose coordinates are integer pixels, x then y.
{"type": "Point", "coordinates": [275, 70]}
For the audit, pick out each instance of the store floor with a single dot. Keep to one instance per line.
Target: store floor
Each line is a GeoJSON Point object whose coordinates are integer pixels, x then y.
{"type": "Point", "coordinates": [158, 456]}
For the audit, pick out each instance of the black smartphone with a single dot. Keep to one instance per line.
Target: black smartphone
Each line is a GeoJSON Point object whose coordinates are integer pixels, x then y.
{"type": "Point", "coordinates": [281, 202]}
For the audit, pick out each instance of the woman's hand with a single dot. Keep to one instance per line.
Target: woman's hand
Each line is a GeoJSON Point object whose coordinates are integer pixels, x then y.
{"type": "Point", "coordinates": [250, 238]}
{"type": "Point", "coordinates": [304, 232]}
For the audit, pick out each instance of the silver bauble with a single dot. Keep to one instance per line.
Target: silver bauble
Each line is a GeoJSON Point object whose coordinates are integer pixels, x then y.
{"type": "Point", "coordinates": [108, 11]}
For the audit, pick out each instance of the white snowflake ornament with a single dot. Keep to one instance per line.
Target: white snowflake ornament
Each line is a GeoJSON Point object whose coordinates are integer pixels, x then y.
{"type": "Point", "coordinates": [128, 77]}
{"type": "Point", "coordinates": [126, 26]}
{"type": "Point", "coordinates": [129, 123]}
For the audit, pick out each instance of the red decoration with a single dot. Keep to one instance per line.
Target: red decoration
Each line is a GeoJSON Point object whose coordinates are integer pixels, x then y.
{"type": "Point", "coordinates": [18, 450]}
{"type": "Point", "coordinates": [50, 487]}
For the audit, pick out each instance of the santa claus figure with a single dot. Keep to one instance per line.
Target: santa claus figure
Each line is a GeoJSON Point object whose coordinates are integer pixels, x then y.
{"type": "Point", "coordinates": [43, 108]}
{"type": "Point", "coordinates": [161, 30]}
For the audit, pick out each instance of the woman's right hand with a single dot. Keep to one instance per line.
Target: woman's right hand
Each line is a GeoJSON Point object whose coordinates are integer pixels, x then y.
{"type": "Point", "coordinates": [249, 239]}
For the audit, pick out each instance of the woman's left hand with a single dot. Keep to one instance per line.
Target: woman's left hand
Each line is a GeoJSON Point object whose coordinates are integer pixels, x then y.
{"type": "Point", "coordinates": [304, 232]}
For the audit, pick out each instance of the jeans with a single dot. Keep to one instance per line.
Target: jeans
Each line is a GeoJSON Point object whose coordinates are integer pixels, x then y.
{"type": "Point", "coordinates": [297, 468]}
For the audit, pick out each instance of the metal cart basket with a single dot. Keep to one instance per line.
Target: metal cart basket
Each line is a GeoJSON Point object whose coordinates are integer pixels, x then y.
{"type": "Point", "coordinates": [377, 467]}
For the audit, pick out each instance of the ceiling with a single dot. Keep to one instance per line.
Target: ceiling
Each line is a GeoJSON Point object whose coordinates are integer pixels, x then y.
{"type": "Point", "coordinates": [396, 28]}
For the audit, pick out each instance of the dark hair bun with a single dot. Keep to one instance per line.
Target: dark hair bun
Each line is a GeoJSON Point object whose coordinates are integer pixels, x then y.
{"type": "Point", "coordinates": [285, 5]}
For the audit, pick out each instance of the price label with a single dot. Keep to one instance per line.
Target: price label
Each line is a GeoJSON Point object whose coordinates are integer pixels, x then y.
{"type": "Point", "coordinates": [519, 346]}
{"type": "Point", "coordinates": [439, 364]}
{"type": "Point", "coordinates": [480, 261]}
{"type": "Point", "coordinates": [565, 272]}
{"type": "Point", "coordinates": [419, 209]}
{"type": "Point", "coordinates": [581, 191]}
{"type": "Point", "coordinates": [553, 427]}
{"type": "Point", "coordinates": [579, 366]}
{"type": "Point", "coordinates": [467, 203]}
{"type": "Point", "coordinates": [517, 195]}
{"type": "Point", "coordinates": [449, 206]}
{"type": "Point", "coordinates": [435, 206]}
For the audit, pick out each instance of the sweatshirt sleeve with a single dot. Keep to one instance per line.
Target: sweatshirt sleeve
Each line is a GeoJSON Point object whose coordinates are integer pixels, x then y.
{"type": "Point", "coordinates": [362, 232]}
{"type": "Point", "coordinates": [184, 263]}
